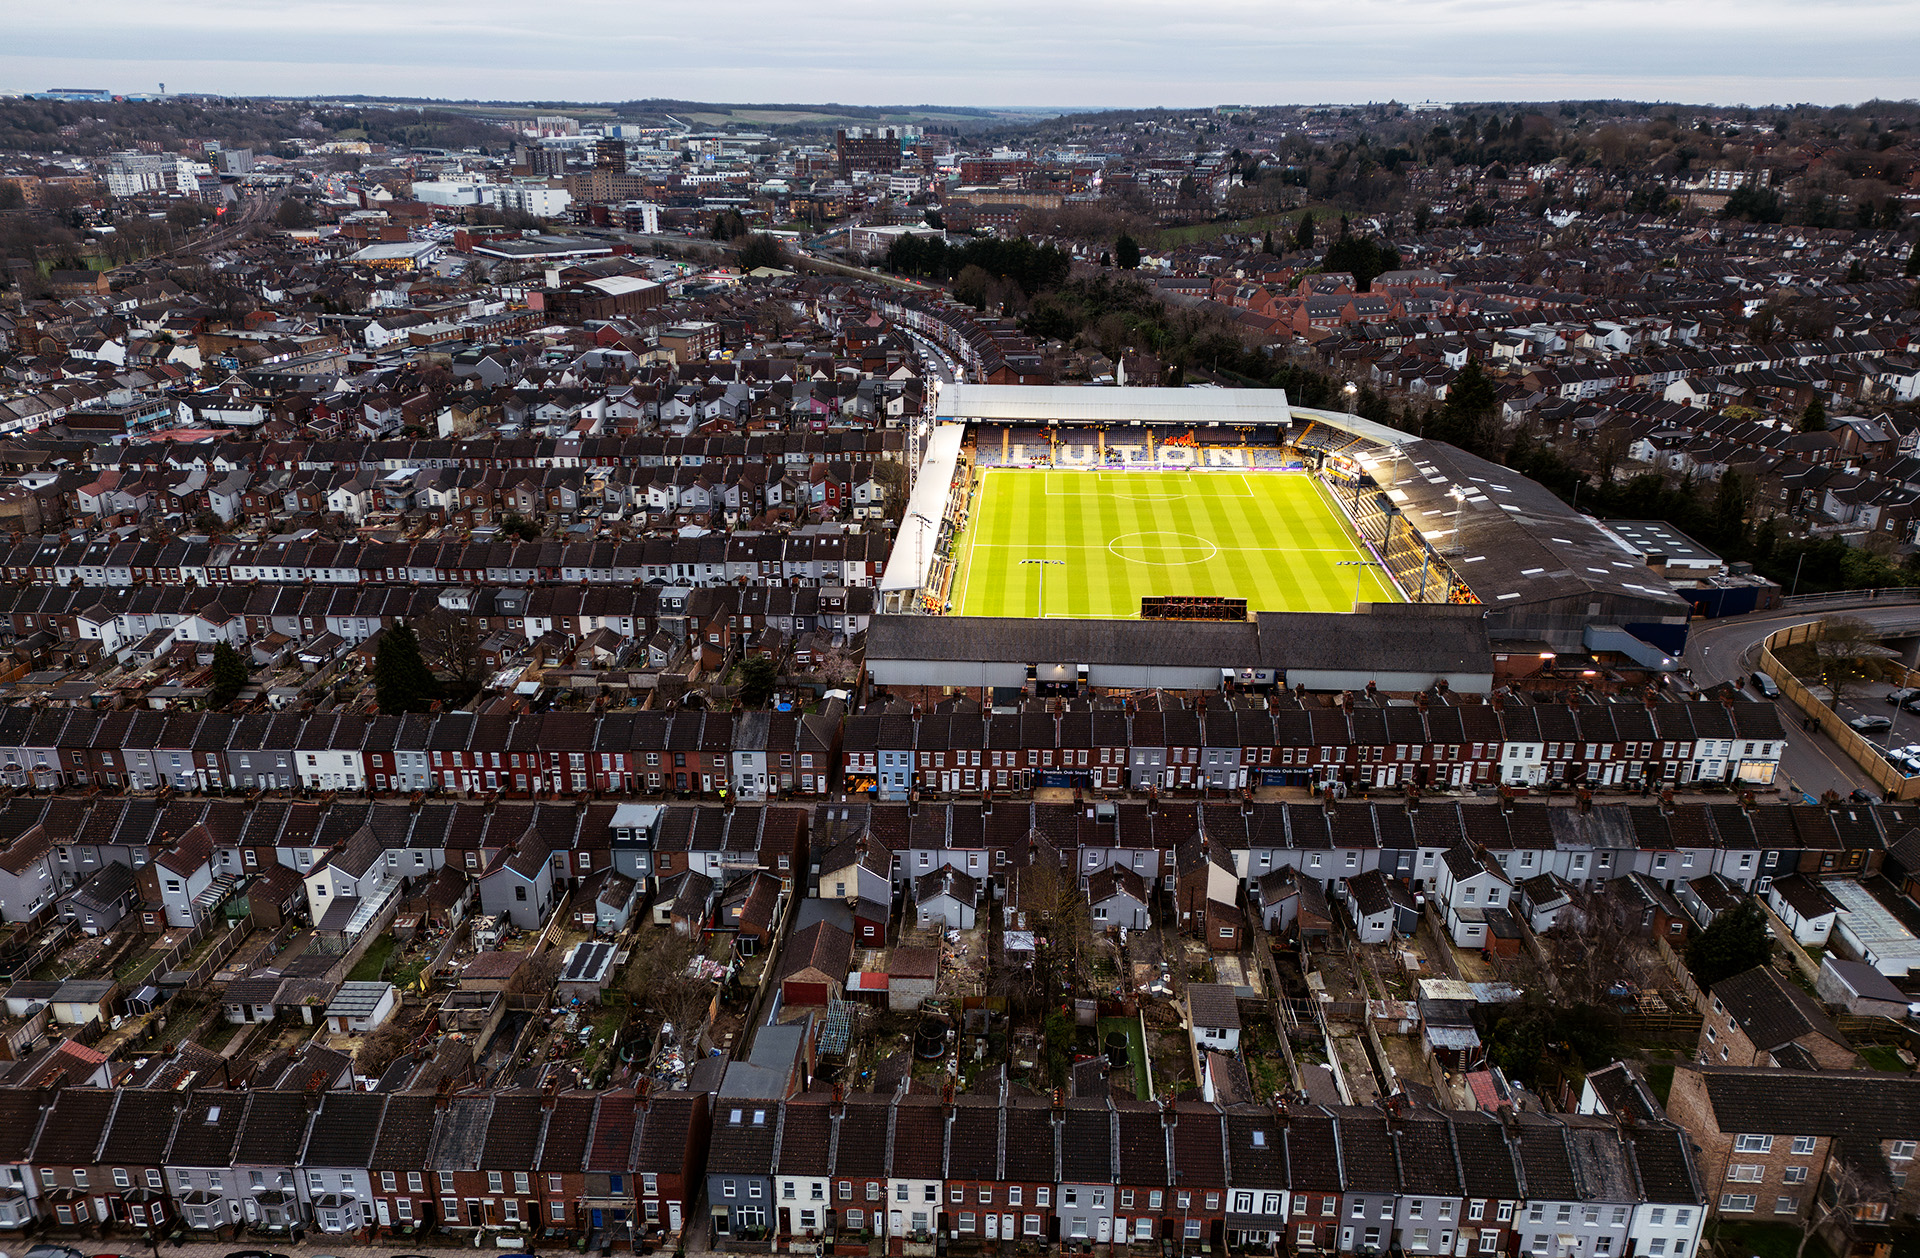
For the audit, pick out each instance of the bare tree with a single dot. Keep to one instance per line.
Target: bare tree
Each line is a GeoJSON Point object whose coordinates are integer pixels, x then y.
{"type": "Point", "coordinates": [662, 976]}
{"type": "Point", "coordinates": [1598, 945]}
{"type": "Point", "coordinates": [451, 644]}
{"type": "Point", "coordinates": [1848, 1195]}
{"type": "Point", "coordinates": [537, 973]}
{"type": "Point", "coordinates": [1848, 649]}
{"type": "Point", "coordinates": [381, 1047]}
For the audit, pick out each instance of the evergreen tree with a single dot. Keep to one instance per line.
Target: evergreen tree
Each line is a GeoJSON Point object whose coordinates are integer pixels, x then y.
{"type": "Point", "coordinates": [1814, 418]}
{"type": "Point", "coordinates": [1913, 261]}
{"type": "Point", "coordinates": [1266, 244]}
{"type": "Point", "coordinates": [1734, 943]}
{"type": "Point", "coordinates": [757, 676]}
{"type": "Point", "coordinates": [1126, 251]}
{"type": "Point", "coordinates": [1303, 236]}
{"type": "Point", "coordinates": [402, 682]}
{"type": "Point", "coordinates": [229, 675]}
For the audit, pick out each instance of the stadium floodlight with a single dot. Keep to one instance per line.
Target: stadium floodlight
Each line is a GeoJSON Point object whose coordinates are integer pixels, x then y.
{"type": "Point", "coordinates": [1459, 495]}
{"type": "Point", "coordinates": [1041, 612]}
{"type": "Point", "coordinates": [1359, 566]}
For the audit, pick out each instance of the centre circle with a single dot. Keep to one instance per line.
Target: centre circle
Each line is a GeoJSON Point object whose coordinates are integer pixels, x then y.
{"type": "Point", "coordinates": [1174, 549]}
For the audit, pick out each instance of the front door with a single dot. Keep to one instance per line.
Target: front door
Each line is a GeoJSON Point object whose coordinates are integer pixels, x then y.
{"type": "Point", "coordinates": [993, 1227]}
{"type": "Point", "coordinates": [476, 1217]}
{"type": "Point", "coordinates": [1104, 1229]}
{"type": "Point", "coordinates": [1006, 1225]}
{"type": "Point", "coordinates": [596, 1216]}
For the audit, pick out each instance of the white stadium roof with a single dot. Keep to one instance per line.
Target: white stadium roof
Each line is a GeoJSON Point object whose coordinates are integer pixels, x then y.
{"type": "Point", "coordinates": [1040, 404]}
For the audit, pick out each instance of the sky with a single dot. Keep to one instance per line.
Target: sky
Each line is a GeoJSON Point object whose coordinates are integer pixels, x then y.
{"type": "Point", "coordinates": [1057, 53]}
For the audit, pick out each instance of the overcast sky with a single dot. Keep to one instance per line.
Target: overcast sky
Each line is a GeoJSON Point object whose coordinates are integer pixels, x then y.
{"type": "Point", "coordinates": [978, 52]}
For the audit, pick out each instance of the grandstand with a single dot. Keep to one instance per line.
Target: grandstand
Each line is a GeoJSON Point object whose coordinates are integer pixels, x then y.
{"type": "Point", "coordinates": [1397, 519]}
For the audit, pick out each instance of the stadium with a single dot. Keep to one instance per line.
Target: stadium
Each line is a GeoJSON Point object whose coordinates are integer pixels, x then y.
{"type": "Point", "coordinates": [1249, 537]}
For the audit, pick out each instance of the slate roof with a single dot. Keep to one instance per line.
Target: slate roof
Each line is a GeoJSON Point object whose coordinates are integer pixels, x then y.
{"type": "Point", "coordinates": [1771, 1011]}
{"type": "Point", "coordinates": [1770, 1101]}
{"type": "Point", "coordinates": [345, 1131]}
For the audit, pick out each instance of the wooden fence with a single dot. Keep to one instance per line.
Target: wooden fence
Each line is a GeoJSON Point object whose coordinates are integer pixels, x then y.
{"type": "Point", "coordinates": [1893, 783]}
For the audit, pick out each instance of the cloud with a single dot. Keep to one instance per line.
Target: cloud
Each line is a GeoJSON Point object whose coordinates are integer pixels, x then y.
{"type": "Point", "coordinates": [981, 52]}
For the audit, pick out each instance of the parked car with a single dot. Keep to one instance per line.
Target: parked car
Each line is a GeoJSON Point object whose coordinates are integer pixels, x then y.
{"type": "Point", "coordinates": [1868, 724]}
{"type": "Point", "coordinates": [1765, 685]}
{"type": "Point", "coordinates": [1900, 694]}
{"type": "Point", "coordinates": [1860, 795]}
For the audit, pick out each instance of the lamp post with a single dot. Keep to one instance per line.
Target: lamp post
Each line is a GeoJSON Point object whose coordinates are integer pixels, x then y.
{"type": "Point", "coordinates": [1459, 495]}
{"type": "Point", "coordinates": [1040, 612]}
{"type": "Point", "coordinates": [920, 552]}
{"type": "Point", "coordinates": [1351, 392]}
{"type": "Point", "coordinates": [1359, 566]}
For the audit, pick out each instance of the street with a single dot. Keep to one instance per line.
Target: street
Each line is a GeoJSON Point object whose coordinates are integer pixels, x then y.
{"type": "Point", "coordinates": [1724, 650]}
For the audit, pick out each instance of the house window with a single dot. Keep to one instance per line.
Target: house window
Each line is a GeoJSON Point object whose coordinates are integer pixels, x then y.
{"type": "Point", "coordinates": [1753, 1144]}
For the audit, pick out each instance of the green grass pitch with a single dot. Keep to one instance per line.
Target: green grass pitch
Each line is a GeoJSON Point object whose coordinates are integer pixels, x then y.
{"type": "Point", "coordinates": [1274, 539]}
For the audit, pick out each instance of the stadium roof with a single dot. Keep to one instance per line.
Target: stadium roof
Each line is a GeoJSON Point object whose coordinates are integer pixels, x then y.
{"type": "Point", "coordinates": [913, 545]}
{"type": "Point", "coordinates": [1040, 404]}
{"type": "Point", "coordinates": [1365, 429]}
{"type": "Point", "coordinates": [1393, 637]}
{"type": "Point", "coordinates": [1511, 539]}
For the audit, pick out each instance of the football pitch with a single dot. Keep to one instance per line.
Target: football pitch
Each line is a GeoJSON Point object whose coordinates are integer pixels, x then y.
{"type": "Point", "coordinates": [1107, 539]}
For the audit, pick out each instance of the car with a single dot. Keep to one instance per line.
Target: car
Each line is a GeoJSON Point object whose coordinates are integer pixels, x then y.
{"type": "Point", "coordinates": [1913, 704]}
{"type": "Point", "coordinates": [1766, 685]}
{"type": "Point", "coordinates": [250, 1253]}
{"type": "Point", "coordinates": [1900, 694]}
{"type": "Point", "coordinates": [1867, 724]}
{"type": "Point", "coordinates": [1861, 795]}
{"type": "Point", "coordinates": [54, 1251]}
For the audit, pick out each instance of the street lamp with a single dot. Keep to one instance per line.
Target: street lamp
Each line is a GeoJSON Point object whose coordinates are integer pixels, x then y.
{"type": "Point", "coordinates": [1359, 566]}
{"type": "Point", "coordinates": [1041, 612]}
{"type": "Point", "coordinates": [1352, 393]}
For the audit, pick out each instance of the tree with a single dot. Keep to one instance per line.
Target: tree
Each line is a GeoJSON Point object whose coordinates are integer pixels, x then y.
{"type": "Point", "coordinates": [761, 250]}
{"type": "Point", "coordinates": [1126, 252]}
{"type": "Point", "coordinates": [402, 682]}
{"type": "Point", "coordinates": [1735, 942]}
{"type": "Point", "coordinates": [380, 1048]}
{"type": "Point", "coordinates": [450, 643]}
{"type": "Point", "coordinates": [1422, 218]}
{"type": "Point", "coordinates": [1266, 242]}
{"type": "Point", "coordinates": [1303, 235]}
{"type": "Point", "coordinates": [1363, 258]}
{"type": "Point", "coordinates": [1814, 418]}
{"type": "Point", "coordinates": [662, 977]}
{"type": "Point", "coordinates": [757, 676]}
{"type": "Point", "coordinates": [1848, 1194]}
{"type": "Point", "coordinates": [1913, 261]}
{"type": "Point", "coordinates": [229, 675]}
{"type": "Point", "coordinates": [513, 524]}
{"type": "Point", "coordinates": [1847, 649]}
{"type": "Point", "coordinates": [1599, 947]}
{"type": "Point", "coordinates": [1466, 418]}
{"type": "Point", "coordinates": [537, 973]}
{"type": "Point", "coordinates": [293, 214]}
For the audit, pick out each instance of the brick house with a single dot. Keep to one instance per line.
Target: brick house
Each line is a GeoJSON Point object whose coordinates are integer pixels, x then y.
{"type": "Point", "coordinates": [1756, 1018]}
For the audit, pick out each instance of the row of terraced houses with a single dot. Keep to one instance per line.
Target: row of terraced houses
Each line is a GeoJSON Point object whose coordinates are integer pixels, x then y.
{"type": "Point", "coordinates": [990, 1171]}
